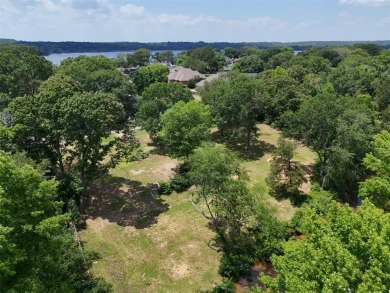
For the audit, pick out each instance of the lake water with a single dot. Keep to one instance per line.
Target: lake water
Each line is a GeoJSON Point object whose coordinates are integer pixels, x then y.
{"type": "Point", "coordinates": [57, 58]}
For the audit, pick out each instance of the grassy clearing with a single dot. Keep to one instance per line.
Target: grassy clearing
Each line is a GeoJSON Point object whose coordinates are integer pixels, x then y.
{"type": "Point", "coordinates": [170, 256]}
{"type": "Point", "coordinates": [149, 244]}
{"type": "Point", "coordinates": [258, 169]}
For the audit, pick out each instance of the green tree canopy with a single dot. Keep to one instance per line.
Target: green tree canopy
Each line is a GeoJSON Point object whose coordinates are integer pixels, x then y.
{"type": "Point", "coordinates": [164, 57]}
{"type": "Point", "coordinates": [250, 64]}
{"type": "Point", "coordinates": [285, 176]}
{"type": "Point", "coordinates": [342, 250]}
{"type": "Point", "coordinates": [38, 253]}
{"type": "Point", "coordinates": [114, 82]}
{"type": "Point", "coordinates": [234, 101]}
{"type": "Point", "coordinates": [68, 127]}
{"type": "Point", "coordinates": [204, 60]}
{"type": "Point", "coordinates": [82, 67]}
{"type": "Point", "coordinates": [184, 127]}
{"type": "Point", "coordinates": [155, 100]}
{"type": "Point", "coordinates": [147, 75]}
{"type": "Point", "coordinates": [246, 229]}
{"type": "Point", "coordinates": [377, 187]}
{"type": "Point", "coordinates": [339, 130]}
{"type": "Point", "coordinates": [22, 70]}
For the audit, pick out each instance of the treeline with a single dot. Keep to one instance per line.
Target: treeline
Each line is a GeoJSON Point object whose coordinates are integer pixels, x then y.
{"type": "Point", "coordinates": [47, 48]}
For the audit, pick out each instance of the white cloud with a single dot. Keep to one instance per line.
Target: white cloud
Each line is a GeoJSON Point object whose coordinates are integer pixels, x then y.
{"type": "Point", "coordinates": [267, 22]}
{"type": "Point", "coordinates": [366, 2]}
{"type": "Point", "coordinates": [307, 24]}
{"type": "Point", "coordinates": [49, 5]}
{"type": "Point", "coordinates": [131, 9]}
{"type": "Point", "coordinates": [344, 14]}
{"type": "Point", "coordinates": [6, 8]}
{"type": "Point", "coordinates": [384, 22]}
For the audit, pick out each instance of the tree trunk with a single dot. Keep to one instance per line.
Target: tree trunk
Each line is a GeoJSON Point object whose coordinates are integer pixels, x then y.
{"type": "Point", "coordinates": [83, 202]}
{"type": "Point", "coordinates": [83, 197]}
{"type": "Point", "coordinates": [248, 140]}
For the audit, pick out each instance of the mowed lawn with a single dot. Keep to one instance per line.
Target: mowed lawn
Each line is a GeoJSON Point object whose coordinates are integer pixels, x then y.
{"type": "Point", "coordinates": [159, 244]}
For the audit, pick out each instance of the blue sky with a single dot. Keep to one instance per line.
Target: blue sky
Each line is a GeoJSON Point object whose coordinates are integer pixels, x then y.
{"type": "Point", "coordinates": [195, 20]}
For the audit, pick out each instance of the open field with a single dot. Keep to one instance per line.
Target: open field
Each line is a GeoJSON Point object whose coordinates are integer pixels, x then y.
{"type": "Point", "coordinates": [159, 244]}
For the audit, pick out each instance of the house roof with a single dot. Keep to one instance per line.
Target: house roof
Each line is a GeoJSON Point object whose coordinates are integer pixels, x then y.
{"type": "Point", "coordinates": [180, 73]}
{"type": "Point", "coordinates": [208, 79]}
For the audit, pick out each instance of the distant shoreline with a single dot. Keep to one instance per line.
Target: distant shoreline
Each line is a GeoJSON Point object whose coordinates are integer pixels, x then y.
{"type": "Point", "coordinates": [48, 48]}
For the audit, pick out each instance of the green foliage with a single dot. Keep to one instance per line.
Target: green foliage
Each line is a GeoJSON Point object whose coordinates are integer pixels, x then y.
{"type": "Point", "coordinates": [164, 188]}
{"type": "Point", "coordinates": [99, 74]}
{"type": "Point", "coordinates": [338, 129]}
{"type": "Point", "coordinates": [245, 228]}
{"type": "Point", "coordinates": [250, 64]}
{"type": "Point", "coordinates": [147, 75]}
{"type": "Point", "coordinates": [114, 82]}
{"type": "Point", "coordinates": [282, 93]}
{"type": "Point", "coordinates": [38, 253]}
{"type": "Point", "coordinates": [231, 52]}
{"type": "Point", "coordinates": [81, 67]}
{"type": "Point", "coordinates": [372, 49]}
{"type": "Point", "coordinates": [156, 99]}
{"type": "Point", "coordinates": [235, 105]}
{"type": "Point", "coordinates": [22, 70]}
{"type": "Point", "coordinates": [164, 57]}
{"type": "Point", "coordinates": [140, 57]}
{"type": "Point", "coordinates": [184, 127]}
{"type": "Point", "coordinates": [68, 127]}
{"type": "Point", "coordinates": [178, 183]}
{"type": "Point", "coordinates": [280, 59]}
{"type": "Point", "coordinates": [204, 60]}
{"type": "Point", "coordinates": [342, 250]}
{"type": "Point", "coordinates": [285, 176]}
{"type": "Point", "coordinates": [377, 187]}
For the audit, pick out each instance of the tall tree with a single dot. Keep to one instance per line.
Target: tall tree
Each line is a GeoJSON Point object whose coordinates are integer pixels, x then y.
{"type": "Point", "coordinates": [184, 127]}
{"type": "Point", "coordinates": [342, 250]}
{"type": "Point", "coordinates": [82, 67]}
{"type": "Point", "coordinates": [22, 70]}
{"type": "Point", "coordinates": [245, 227]}
{"type": "Point", "coordinates": [377, 187]}
{"type": "Point", "coordinates": [339, 130]}
{"type": "Point", "coordinates": [155, 100]}
{"type": "Point", "coordinates": [147, 75]}
{"type": "Point", "coordinates": [140, 57]}
{"type": "Point", "coordinates": [114, 82]}
{"type": "Point", "coordinates": [38, 253]}
{"type": "Point", "coordinates": [235, 105]}
{"type": "Point", "coordinates": [285, 176]}
{"type": "Point", "coordinates": [68, 127]}
{"type": "Point", "coordinates": [164, 57]}
{"type": "Point", "coordinates": [282, 93]}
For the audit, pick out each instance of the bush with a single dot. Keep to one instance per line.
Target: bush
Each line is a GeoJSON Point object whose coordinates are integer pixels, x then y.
{"type": "Point", "coordinates": [179, 183]}
{"type": "Point", "coordinates": [165, 188]}
{"type": "Point", "coordinates": [234, 264]}
{"type": "Point", "coordinates": [191, 84]}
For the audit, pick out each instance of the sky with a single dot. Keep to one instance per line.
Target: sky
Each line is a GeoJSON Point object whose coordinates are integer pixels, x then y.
{"type": "Point", "coordinates": [195, 20]}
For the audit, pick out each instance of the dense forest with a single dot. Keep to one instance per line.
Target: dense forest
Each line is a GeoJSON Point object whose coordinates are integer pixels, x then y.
{"type": "Point", "coordinates": [68, 131]}
{"type": "Point", "coordinates": [47, 48]}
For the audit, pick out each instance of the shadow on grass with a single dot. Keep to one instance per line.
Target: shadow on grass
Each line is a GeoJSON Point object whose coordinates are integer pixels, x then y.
{"type": "Point", "coordinates": [158, 147]}
{"type": "Point", "coordinates": [256, 150]}
{"type": "Point", "coordinates": [125, 202]}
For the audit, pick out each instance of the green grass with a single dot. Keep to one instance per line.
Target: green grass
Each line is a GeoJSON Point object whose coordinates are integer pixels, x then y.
{"type": "Point", "coordinates": [170, 256]}
{"type": "Point", "coordinates": [149, 244]}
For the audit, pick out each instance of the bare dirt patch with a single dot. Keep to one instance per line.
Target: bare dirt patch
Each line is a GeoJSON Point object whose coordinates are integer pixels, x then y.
{"type": "Point", "coordinates": [180, 270]}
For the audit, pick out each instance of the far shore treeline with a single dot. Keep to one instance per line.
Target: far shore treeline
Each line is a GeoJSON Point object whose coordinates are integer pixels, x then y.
{"type": "Point", "coordinates": [48, 48]}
